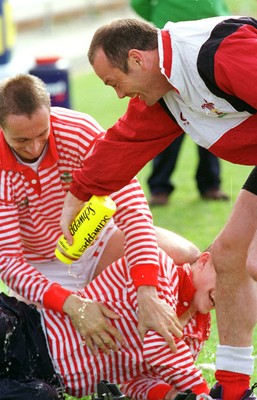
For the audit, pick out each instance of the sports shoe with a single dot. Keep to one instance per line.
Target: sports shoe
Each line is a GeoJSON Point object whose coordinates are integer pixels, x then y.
{"type": "Point", "coordinates": [187, 395]}
{"type": "Point", "coordinates": [107, 391]}
{"type": "Point", "coordinates": [217, 390]}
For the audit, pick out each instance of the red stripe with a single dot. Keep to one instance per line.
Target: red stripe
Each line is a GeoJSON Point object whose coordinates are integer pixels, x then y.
{"type": "Point", "coordinates": [167, 52]}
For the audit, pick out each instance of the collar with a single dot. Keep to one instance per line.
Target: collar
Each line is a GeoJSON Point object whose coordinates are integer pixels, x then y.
{"type": "Point", "coordinates": [186, 289]}
{"type": "Point", "coordinates": [201, 329]}
{"type": "Point", "coordinates": [165, 52]}
{"type": "Point", "coordinates": [8, 161]}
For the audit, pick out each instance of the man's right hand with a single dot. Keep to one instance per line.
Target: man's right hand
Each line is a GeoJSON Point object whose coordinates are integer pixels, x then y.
{"type": "Point", "coordinates": [71, 208]}
{"type": "Point", "coordinates": [88, 318]}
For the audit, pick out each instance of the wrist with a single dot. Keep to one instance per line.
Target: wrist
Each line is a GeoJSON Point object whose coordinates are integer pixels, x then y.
{"type": "Point", "coordinates": [76, 190]}
{"type": "Point", "coordinates": [74, 303]}
{"type": "Point", "coordinates": [55, 297]}
{"type": "Point", "coordinates": [144, 290]}
{"type": "Point", "coordinates": [145, 275]}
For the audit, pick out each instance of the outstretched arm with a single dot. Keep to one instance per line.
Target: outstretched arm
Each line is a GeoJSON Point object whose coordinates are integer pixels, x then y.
{"type": "Point", "coordinates": [135, 139]}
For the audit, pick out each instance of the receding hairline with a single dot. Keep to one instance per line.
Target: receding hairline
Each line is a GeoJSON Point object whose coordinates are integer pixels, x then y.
{"type": "Point", "coordinates": [116, 29]}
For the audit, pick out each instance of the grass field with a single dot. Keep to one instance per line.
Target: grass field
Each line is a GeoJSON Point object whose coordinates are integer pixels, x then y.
{"type": "Point", "coordinates": [186, 214]}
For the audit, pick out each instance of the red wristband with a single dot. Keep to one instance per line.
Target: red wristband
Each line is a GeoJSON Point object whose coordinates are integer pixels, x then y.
{"type": "Point", "coordinates": [55, 297]}
{"type": "Point", "coordinates": [145, 274]}
{"type": "Point", "coordinates": [159, 391]}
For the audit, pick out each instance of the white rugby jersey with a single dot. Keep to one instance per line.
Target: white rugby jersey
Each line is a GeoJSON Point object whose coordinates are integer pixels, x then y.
{"type": "Point", "coordinates": [212, 65]}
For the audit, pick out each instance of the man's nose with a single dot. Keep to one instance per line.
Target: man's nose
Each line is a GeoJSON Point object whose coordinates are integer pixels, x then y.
{"type": "Point", "coordinates": [120, 93]}
{"type": "Point", "coordinates": [34, 147]}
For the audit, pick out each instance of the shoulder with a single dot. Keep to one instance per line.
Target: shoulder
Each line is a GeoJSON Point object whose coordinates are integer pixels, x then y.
{"type": "Point", "coordinates": [63, 117]}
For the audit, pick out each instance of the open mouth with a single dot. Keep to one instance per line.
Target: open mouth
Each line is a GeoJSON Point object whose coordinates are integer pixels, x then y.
{"type": "Point", "coordinates": [212, 298]}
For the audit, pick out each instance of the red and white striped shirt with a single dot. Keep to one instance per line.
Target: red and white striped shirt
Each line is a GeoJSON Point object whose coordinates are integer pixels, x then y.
{"type": "Point", "coordinates": [31, 205]}
{"type": "Point", "coordinates": [141, 366]}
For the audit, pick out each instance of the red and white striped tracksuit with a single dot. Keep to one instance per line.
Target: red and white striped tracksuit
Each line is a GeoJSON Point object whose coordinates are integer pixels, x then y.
{"type": "Point", "coordinates": [142, 366]}
{"type": "Point", "coordinates": [31, 205]}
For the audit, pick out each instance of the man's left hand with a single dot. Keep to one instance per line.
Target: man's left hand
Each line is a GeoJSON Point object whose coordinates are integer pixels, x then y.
{"type": "Point", "coordinates": [155, 314]}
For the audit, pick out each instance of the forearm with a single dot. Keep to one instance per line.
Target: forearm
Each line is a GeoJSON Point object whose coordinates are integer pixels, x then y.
{"type": "Point", "coordinates": [135, 139]}
{"type": "Point", "coordinates": [134, 219]}
{"type": "Point", "coordinates": [24, 279]}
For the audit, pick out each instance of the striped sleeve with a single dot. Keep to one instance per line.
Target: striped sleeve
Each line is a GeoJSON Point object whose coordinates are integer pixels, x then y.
{"type": "Point", "coordinates": [134, 218]}
{"type": "Point", "coordinates": [177, 369]}
{"type": "Point", "coordinates": [16, 272]}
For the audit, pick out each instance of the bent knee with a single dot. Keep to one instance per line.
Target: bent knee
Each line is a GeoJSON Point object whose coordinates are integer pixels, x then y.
{"type": "Point", "coordinates": [225, 256]}
{"type": "Point", "coordinates": [251, 267]}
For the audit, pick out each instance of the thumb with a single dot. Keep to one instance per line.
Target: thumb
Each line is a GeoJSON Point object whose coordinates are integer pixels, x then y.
{"type": "Point", "coordinates": [142, 331]}
{"type": "Point", "coordinates": [68, 236]}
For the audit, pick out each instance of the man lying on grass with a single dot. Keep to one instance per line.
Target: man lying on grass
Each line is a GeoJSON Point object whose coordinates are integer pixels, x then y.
{"type": "Point", "coordinates": [43, 344]}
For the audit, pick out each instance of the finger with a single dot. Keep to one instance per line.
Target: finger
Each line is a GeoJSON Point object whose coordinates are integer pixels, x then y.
{"type": "Point", "coordinates": [176, 328]}
{"type": "Point", "coordinates": [100, 343]}
{"type": "Point", "coordinates": [117, 335]}
{"type": "Point", "coordinates": [65, 230]}
{"type": "Point", "coordinates": [170, 341]}
{"type": "Point", "coordinates": [142, 331]}
{"type": "Point", "coordinates": [88, 342]}
{"type": "Point", "coordinates": [177, 323]}
{"type": "Point", "coordinates": [176, 331]}
{"type": "Point", "coordinates": [108, 312]}
{"type": "Point", "coordinates": [68, 236]}
{"type": "Point", "coordinates": [109, 342]}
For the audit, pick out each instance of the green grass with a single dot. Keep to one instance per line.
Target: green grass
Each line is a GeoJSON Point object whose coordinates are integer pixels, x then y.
{"type": "Point", "coordinates": [186, 214]}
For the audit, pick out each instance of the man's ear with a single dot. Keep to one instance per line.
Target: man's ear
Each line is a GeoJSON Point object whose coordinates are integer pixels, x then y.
{"type": "Point", "coordinates": [136, 57]}
{"type": "Point", "coordinates": [204, 258]}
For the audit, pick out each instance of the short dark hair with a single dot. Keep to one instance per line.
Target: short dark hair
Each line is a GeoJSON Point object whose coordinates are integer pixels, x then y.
{"type": "Point", "coordinates": [22, 94]}
{"type": "Point", "coordinates": [120, 36]}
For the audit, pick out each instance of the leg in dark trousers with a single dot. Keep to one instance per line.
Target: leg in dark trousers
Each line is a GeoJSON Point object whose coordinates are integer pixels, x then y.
{"type": "Point", "coordinates": [208, 171]}
{"type": "Point", "coordinates": [12, 389]}
{"type": "Point", "coordinates": [163, 166]}
{"type": "Point", "coordinates": [208, 176]}
{"type": "Point", "coordinates": [26, 369]}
